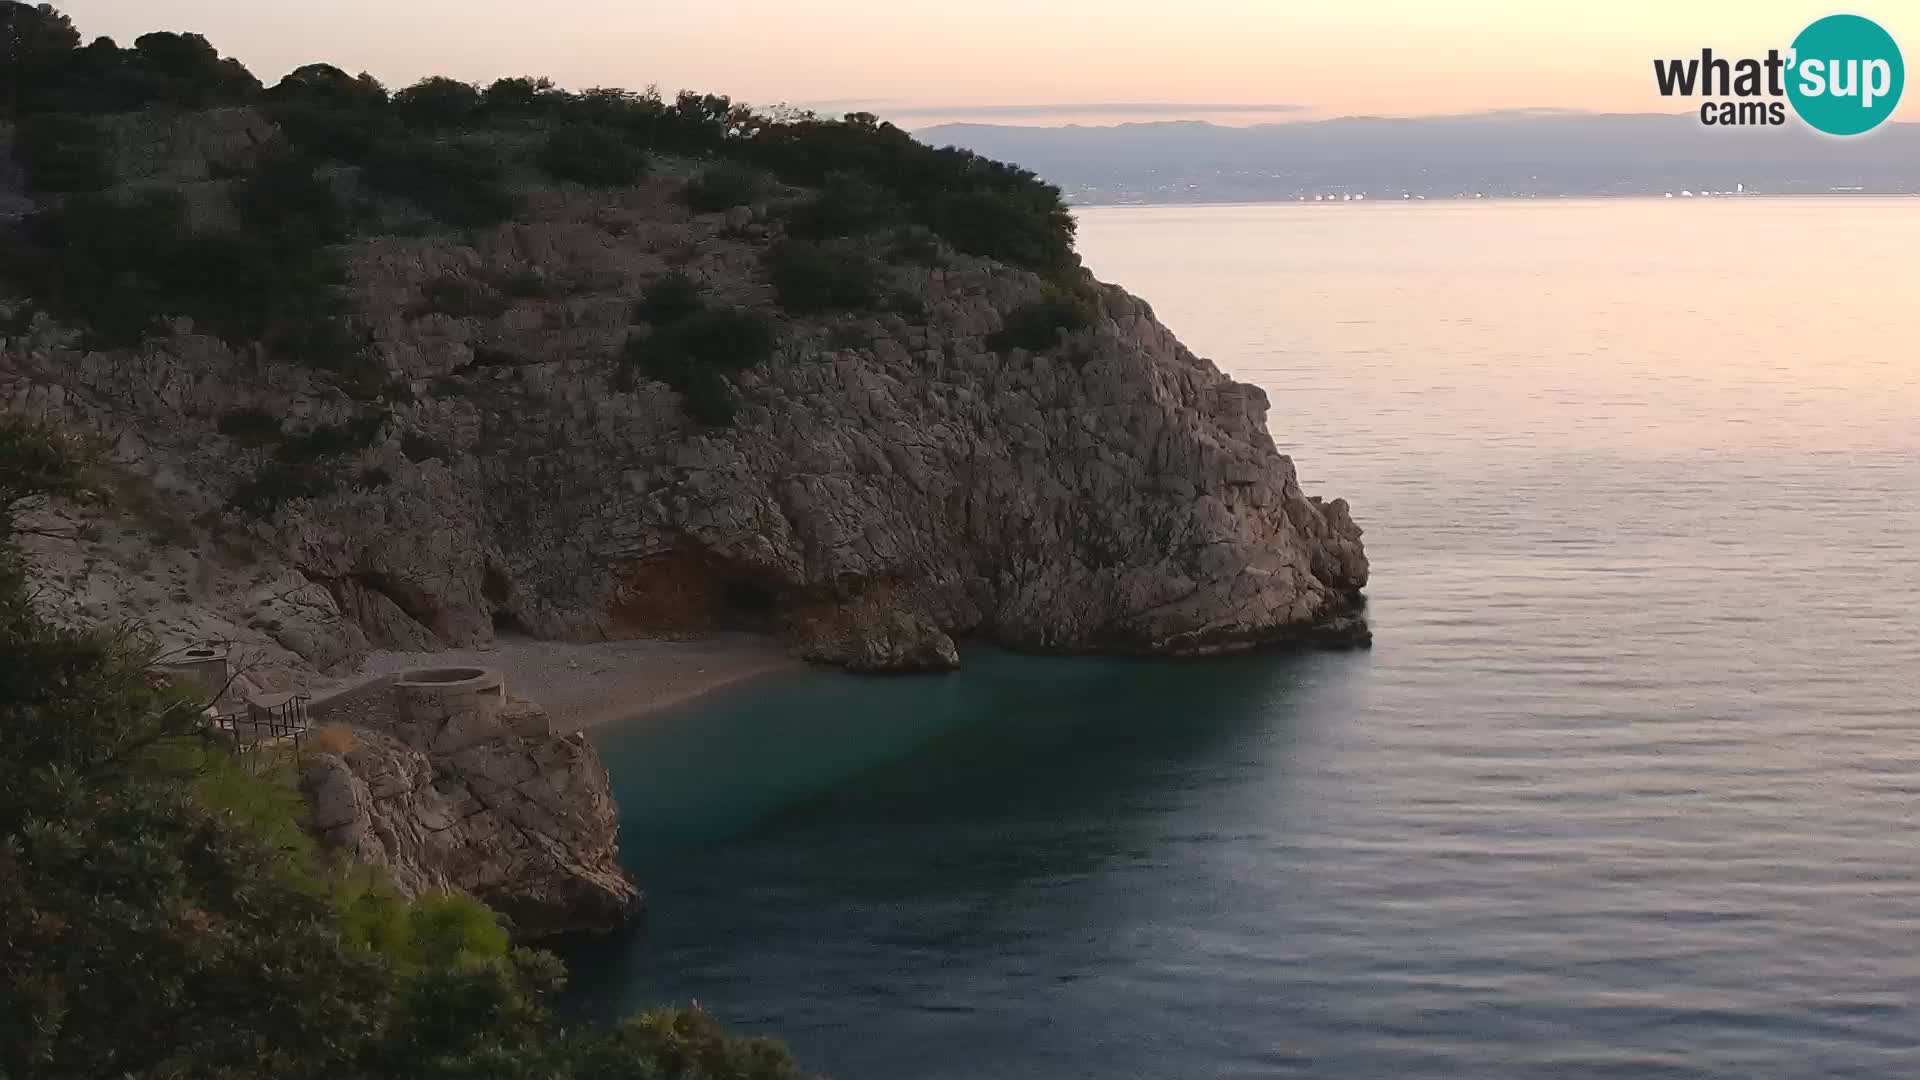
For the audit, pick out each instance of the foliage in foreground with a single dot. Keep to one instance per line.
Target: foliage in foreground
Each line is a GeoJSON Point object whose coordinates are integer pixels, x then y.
{"type": "Point", "coordinates": [164, 914]}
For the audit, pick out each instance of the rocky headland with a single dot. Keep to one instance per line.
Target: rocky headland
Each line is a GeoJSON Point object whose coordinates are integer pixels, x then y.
{"type": "Point", "coordinates": [510, 452]}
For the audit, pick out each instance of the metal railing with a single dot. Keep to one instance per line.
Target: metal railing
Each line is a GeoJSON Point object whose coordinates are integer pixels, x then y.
{"type": "Point", "coordinates": [257, 727]}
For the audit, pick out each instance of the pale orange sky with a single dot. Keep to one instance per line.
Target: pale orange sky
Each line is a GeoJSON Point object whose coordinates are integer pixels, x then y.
{"type": "Point", "coordinates": [1337, 57]}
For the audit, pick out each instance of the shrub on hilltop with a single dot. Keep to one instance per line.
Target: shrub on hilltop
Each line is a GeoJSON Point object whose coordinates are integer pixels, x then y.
{"type": "Point", "coordinates": [723, 187]}
{"type": "Point", "coordinates": [458, 184]}
{"type": "Point", "coordinates": [592, 155]}
{"type": "Point", "coordinates": [437, 103]}
{"type": "Point", "coordinates": [833, 276]}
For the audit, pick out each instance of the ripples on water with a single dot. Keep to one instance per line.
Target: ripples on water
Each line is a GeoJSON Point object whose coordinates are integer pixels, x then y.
{"type": "Point", "coordinates": [1626, 789]}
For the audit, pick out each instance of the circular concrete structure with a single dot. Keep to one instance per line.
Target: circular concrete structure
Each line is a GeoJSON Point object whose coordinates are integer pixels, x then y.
{"type": "Point", "coordinates": [460, 679]}
{"type": "Point", "coordinates": [444, 709]}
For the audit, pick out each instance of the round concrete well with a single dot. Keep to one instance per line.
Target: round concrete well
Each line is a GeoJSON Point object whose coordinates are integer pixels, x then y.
{"type": "Point", "coordinates": [444, 709]}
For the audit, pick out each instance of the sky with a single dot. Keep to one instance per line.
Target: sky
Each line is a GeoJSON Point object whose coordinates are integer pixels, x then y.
{"type": "Point", "coordinates": [1023, 61]}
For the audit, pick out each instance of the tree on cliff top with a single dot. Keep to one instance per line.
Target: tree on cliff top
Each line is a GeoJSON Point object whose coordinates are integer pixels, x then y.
{"type": "Point", "coordinates": [163, 912]}
{"type": "Point", "coordinates": [34, 41]}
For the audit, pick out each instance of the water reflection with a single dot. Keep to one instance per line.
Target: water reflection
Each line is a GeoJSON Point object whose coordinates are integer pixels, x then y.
{"type": "Point", "coordinates": [955, 824]}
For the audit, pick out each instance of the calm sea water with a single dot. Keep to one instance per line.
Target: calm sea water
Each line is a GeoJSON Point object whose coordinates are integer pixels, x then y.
{"type": "Point", "coordinates": [1627, 788]}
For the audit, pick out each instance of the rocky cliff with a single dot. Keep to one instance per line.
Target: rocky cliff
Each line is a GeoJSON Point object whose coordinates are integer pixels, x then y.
{"type": "Point", "coordinates": [499, 808]}
{"type": "Point", "coordinates": [886, 476]}
{"type": "Point", "coordinates": [891, 481]}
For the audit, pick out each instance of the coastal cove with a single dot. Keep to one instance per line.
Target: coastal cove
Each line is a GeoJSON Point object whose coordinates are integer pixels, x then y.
{"type": "Point", "coordinates": [1624, 789]}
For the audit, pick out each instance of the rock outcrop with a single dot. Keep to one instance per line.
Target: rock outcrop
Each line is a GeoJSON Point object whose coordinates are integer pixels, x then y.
{"type": "Point", "coordinates": [513, 815]}
{"type": "Point", "coordinates": [892, 481]}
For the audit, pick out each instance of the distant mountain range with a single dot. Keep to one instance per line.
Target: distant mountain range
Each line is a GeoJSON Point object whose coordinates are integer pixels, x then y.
{"type": "Point", "coordinates": [1529, 152]}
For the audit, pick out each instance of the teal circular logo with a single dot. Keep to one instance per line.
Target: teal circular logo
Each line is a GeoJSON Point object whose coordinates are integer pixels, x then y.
{"type": "Point", "coordinates": [1845, 75]}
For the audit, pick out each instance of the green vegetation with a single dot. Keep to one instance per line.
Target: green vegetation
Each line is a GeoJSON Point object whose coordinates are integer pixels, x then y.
{"type": "Point", "coordinates": [458, 184]}
{"type": "Point", "coordinates": [672, 297]}
{"type": "Point", "coordinates": [592, 155]}
{"type": "Point", "coordinates": [697, 354]}
{"type": "Point", "coordinates": [306, 465]}
{"type": "Point", "coordinates": [1038, 325]}
{"type": "Point", "coordinates": [164, 913]}
{"type": "Point", "coordinates": [722, 187]}
{"type": "Point", "coordinates": [980, 206]}
{"type": "Point", "coordinates": [823, 277]}
{"type": "Point", "coordinates": [119, 264]}
{"type": "Point", "coordinates": [871, 171]}
{"type": "Point", "coordinates": [285, 201]}
{"type": "Point", "coordinates": [43, 68]}
{"type": "Point", "coordinates": [253, 426]}
{"type": "Point", "coordinates": [62, 152]}
{"type": "Point", "coordinates": [437, 104]}
{"type": "Point", "coordinates": [847, 206]}
{"type": "Point", "coordinates": [417, 447]}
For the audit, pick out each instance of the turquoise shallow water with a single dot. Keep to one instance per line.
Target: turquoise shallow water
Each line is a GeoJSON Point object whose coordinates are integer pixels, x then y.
{"type": "Point", "coordinates": [1626, 789]}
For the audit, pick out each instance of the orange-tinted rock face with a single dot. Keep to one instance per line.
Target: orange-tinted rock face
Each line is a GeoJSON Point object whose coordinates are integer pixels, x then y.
{"type": "Point", "coordinates": [669, 595]}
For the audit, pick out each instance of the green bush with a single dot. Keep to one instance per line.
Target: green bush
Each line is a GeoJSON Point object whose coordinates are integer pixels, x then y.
{"type": "Point", "coordinates": [437, 103]}
{"type": "Point", "coordinates": [459, 185]}
{"type": "Point", "coordinates": [253, 426]}
{"type": "Point", "coordinates": [333, 440]}
{"type": "Point", "coordinates": [1011, 227]}
{"type": "Point", "coordinates": [902, 302]}
{"type": "Point", "coordinates": [1037, 325]}
{"type": "Point", "coordinates": [308, 465]}
{"type": "Point", "coordinates": [326, 85]}
{"type": "Point", "coordinates": [522, 97]}
{"type": "Point", "coordinates": [729, 339]}
{"type": "Point", "coordinates": [822, 277]}
{"type": "Point", "coordinates": [332, 115]}
{"type": "Point", "coordinates": [331, 134]}
{"type": "Point", "coordinates": [696, 355]}
{"type": "Point", "coordinates": [184, 70]}
{"type": "Point", "coordinates": [118, 267]}
{"type": "Point", "coordinates": [279, 482]}
{"type": "Point", "coordinates": [918, 245]}
{"type": "Point", "coordinates": [592, 155]}
{"type": "Point", "coordinates": [417, 447]}
{"type": "Point", "coordinates": [980, 206]}
{"type": "Point", "coordinates": [284, 199]}
{"type": "Point", "coordinates": [63, 152]}
{"type": "Point", "coordinates": [36, 43]}
{"type": "Point", "coordinates": [724, 186]}
{"type": "Point", "coordinates": [847, 205]}
{"type": "Point", "coordinates": [671, 297]}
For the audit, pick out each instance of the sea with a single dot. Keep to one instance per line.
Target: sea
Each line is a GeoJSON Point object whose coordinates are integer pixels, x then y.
{"type": "Point", "coordinates": [1628, 786]}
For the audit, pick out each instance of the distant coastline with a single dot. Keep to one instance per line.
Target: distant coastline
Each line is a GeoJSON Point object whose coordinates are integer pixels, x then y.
{"type": "Point", "coordinates": [1499, 155]}
{"type": "Point", "coordinates": [1372, 200]}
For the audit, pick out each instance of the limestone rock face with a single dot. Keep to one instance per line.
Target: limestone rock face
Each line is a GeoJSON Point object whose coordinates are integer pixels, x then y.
{"type": "Point", "coordinates": [891, 482]}
{"type": "Point", "coordinates": [876, 631]}
{"type": "Point", "coordinates": [524, 823]}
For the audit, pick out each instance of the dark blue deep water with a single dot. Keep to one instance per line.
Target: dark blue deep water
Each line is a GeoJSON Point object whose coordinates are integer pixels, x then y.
{"type": "Point", "coordinates": [1627, 789]}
